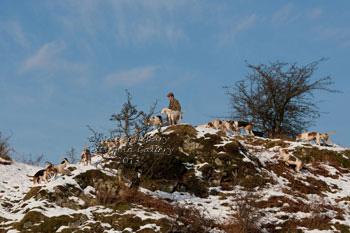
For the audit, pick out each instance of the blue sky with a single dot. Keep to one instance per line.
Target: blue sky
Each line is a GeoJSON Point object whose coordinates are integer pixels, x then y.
{"type": "Point", "coordinates": [65, 64]}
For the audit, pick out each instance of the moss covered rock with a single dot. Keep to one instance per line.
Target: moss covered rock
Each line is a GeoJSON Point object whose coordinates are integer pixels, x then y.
{"type": "Point", "coordinates": [35, 221]}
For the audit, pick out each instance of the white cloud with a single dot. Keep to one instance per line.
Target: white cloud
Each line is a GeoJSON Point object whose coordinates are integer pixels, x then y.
{"type": "Point", "coordinates": [145, 21]}
{"type": "Point", "coordinates": [128, 21]}
{"type": "Point", "coordinates": [285, 15]}
{"type": "Point", "coordinates": [338, 35]}
{"type": "Point", "coordinates": [14, 29]}
{"type": "Point", "coordinates": [247, 23]}
{"type": "Point", "coordinates": [49, 58]}
{"type": "Point", "coordinates": [44, 58]}
{"type": "Point", "coordinates": [80, 15]}
{"type": "Point", "coordinates": [151, 30]}
{"type": "Point", "coordinates": [130, 77]}
{"type": "Point", "coordinates": [160, 5]}
{"type": "Point", "coordinates": [231, 31]}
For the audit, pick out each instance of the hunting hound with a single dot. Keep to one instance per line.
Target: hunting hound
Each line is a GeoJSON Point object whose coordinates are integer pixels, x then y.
{"type": "Point", "coordinates": [60, 167]}
{"type": "Point", "coordinates": [238, 125]}
{"type": "Point", "coordinates": [289, 159]}
{"type": "Point", "coordinates": [174, 117]}
{"type": "Point", "coordinates": [85, 157]}
{"type": "Point", "coordinates": [44, 174]}
{"type": "Point", "coordinates": [221, 125]}
{"type": "Point", "coordinates": [156, 121]}
{"type": "Point", "coordinates": [314, 136]}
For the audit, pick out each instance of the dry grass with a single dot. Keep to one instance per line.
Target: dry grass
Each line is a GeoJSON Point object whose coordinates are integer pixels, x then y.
{"type": "Point", "coordinates": [185, 219]}
{"type": "Point", "coordinates": [318, 209]}
{"type": "Point", "coordinates": [134, 196]}
{"type": "Point", "coordinates": [247, 216]}
{"type": "Point", "coordinates": [318, 169]}
{"type": "Point", "coordinates": [308, 185]}
{"type": "Point", "coordinates": [105, 196]}
{"type": "Point", "coordinates": [6, 160]}
{"type": "Point", "coordinates": [280, 202]}
{"type": "Point", "coordinates": [318, 218]}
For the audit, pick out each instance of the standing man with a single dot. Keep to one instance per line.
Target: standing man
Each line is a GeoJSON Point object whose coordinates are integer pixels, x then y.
{"type": "Point", "coordinates": [174, 103]}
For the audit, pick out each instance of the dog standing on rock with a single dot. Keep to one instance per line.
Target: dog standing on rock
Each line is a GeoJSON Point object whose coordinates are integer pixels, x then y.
{"type": "Point", "coordinates": [86, 157]}
{"type": "Point", "coordinates": [174, 117]}
{"type": "Point", "coordinates": [156, 121]}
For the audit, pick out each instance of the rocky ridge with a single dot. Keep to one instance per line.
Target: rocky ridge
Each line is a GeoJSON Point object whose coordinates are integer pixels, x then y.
{"type": "Point", "coordinates": [186, 179]}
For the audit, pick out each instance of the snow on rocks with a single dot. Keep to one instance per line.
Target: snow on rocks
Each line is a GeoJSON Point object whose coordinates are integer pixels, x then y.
{"type": "Point", "coordinates": [321, 191]}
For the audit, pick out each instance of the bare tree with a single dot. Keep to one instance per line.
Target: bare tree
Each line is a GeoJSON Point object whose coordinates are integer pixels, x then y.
{"type": "Point", "coordinates": [96, 138]}
{"type": "Point", "coordinates": [31, 160]}
{"type": "Point", "coordinates": [71, 155]}
{"type": "Point", "coordinates": [278, 97]}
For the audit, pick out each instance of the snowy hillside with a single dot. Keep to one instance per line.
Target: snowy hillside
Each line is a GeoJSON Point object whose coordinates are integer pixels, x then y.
{"type": "Point", "coordinates": [210, 182]}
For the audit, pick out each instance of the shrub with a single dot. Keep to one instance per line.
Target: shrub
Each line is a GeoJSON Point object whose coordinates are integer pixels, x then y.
{"type": "Point", "coordinates": [184, 219]}
{"type": "Point", "coordinates": [246, 218]}
{"type": "Point", "coordinates": [5, 148]}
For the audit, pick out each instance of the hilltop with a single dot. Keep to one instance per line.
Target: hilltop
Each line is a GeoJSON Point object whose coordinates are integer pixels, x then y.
{"type": "Point", "coordinates": [185, 179]}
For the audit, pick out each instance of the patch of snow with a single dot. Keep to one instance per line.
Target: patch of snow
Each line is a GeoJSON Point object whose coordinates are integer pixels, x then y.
{"type": "Point", "coordinates": [153, 227]}
{"type": "Point", "coordinates": [62, 228]}
{"type": "Point", "coordinates": [144, 215]}
{"type": "Point", "coordinates": [89, 190]}
{"type": "Point", "coordinates": [201, 132]}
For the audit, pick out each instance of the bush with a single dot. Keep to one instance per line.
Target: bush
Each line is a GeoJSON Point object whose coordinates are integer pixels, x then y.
{"type": "Point", "coordinates": [5, 148]}
{"type": "Point", "coordinates": [246, 217]}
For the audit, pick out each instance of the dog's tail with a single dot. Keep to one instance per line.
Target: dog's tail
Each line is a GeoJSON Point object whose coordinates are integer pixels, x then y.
{"type": "Point", "coordinates": [30, 176]}
{"type": "Point", "coordinates": [332, 132]}
{"type": "Point", "coordinates": [183, 112]}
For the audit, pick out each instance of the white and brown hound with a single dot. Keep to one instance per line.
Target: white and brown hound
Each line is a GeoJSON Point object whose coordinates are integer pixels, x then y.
{"type": "Point", "coordinates": [85, 157]}
{"type": "Point", "coordinates": [60, 167]}
{"type": "Point", "coordinates": [45, 174]}
{"type": "Point", "coordinates": [156, 121]}
{"type": "Point", "coordinates": [220, 125]}
{"type": "Point", "coordinates": [238, 125]}
{"type": "Point", "coordinates": [314, 136]}
{"type": "Point", "coordinates": [289, 159]}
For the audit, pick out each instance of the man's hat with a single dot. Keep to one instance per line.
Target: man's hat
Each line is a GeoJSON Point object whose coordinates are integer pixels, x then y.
{"type": "Point", "coordinates": [170, 94]}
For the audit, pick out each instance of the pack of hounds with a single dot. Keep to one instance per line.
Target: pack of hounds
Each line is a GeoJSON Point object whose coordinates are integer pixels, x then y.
{"type": "Point", "coordinates": [175, 117]}
{"type": "Point", "coordinates": [50, 171]}
{"type": "Point", "coordinates": [235, 128]}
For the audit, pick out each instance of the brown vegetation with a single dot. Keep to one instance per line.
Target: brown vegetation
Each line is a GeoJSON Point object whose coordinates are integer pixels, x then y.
{"type": "Point", "coordinates": [185, 219]}
{"type": "Point", "coordinates": [247, 216]}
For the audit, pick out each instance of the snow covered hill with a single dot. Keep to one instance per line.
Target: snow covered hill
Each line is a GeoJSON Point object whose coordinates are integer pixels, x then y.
{"type": "Point", "coordinates": [209, 182]}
